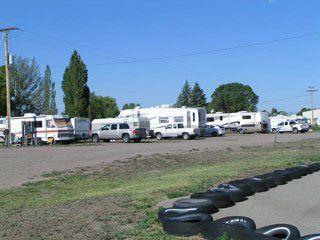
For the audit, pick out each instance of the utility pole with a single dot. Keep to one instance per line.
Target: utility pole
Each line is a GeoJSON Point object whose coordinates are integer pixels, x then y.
{"type": "Point", "coordinates": [312, 90]}
{"type": "Point", "coordinates": [6, 50]}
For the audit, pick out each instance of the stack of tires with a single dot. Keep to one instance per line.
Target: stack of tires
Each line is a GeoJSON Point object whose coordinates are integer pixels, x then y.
{"type": "Point", "coordinates": [192, 216]}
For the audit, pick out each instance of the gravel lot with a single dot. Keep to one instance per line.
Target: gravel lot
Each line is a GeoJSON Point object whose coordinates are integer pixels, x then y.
{"type": "Point", "coordinates": [20, 165]}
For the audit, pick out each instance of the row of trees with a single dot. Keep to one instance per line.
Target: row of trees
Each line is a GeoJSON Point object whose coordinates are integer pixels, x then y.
{"type": "Point", "coordinates": [30, 92]}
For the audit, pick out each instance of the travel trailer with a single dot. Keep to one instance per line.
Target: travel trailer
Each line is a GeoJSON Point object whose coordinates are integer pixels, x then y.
{"type": "Point", "coordinates": [160, 116]}
{"type": "Point", "coordinates": [134, 122]}
{"type": "Point", "coordinates": [81, 128]}
{"type": "Point", "coordinates": [47, 128]}
{"type": "Point", "coordinates": [244, 122]}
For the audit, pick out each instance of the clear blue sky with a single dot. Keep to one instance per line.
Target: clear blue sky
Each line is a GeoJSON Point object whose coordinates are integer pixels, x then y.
{"type": "Point", "coordinates": [105, 31]}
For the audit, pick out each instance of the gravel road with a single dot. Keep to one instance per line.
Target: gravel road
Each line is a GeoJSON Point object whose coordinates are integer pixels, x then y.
{"type": "Point", "coordinates": [20, 165]}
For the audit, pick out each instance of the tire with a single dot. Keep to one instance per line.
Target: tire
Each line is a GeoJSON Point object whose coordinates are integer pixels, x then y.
{"type": "Point", "coordinates": [213, 231]}
{"type": "Point", "coordinates": [137, 140]}
{"type": "Point", "coordinates": [203, 205]}
{"type": "Point", "coordinates": [277, 178]}
{"type": "Point", "coordinates": [256, 186]}
{"type": "Point", "coordinates": [286, 174]}
{"type": "Point", "coordinates": [236, 195]}
{"type": "Point", "coordinates": [95, 138]}
{"type": "Point", "coordinates": [308, 169]}
{"type": "Point", "coordinates": [281, 231]}
{"type": "Point", "coordinates": [269, 182]}
{"type": "Point", "coordinates": [295, 130]}
{"type": "Point", "coordinates": [214, 134]}
{"type": "Point", "coordinates": [185, 136]}
{"type": "Point", "coordinates": [303, 170]}
{"type": "Point", "coordinates": [51, 141]}
{"type": "Point", "coordinates": [185, 225]}
{"type": "Point", "coordinates": [174, 212]}
{"type": "Point", "coordinates": [244, 222]}
{"type": "Point", "coordinates": [295, 173]}
{"type": "Point", "coordinates": [219, 199]}
{"type": "Point", "coordinates": [126, 138]}
{"type": "Point", "coordinates": [242, 131]}
{"type": "Point", "coordinates": [158, 136]}
{"type": "Point", "coordinates": [246, 189]}
{"type": "Point", "coordinates": [274, 130]}
{"type": "Point", "coordinates": [310, 237]}
{"type": "Point", "coordinates": [315, 166]}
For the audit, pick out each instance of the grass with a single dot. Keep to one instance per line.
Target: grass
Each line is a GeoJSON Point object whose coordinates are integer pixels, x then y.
{"type": "Point", "coordinates": [119, 201]}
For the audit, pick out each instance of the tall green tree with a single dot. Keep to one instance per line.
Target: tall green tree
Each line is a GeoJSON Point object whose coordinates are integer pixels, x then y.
{"type": "Point", "coordinates": [49, 93]}
{"type": "Point", "coordinates": [74, 85]}
{"type": "Point", "coordinates": [25, 79]}
{"type": "Point", "coordinates": [274, 112]}
{"type": "Point", "coordinates": [304, 109]}
{"type": "Point", "coordinates": [197, 97]}
{"type": "Point", "coordinates": [234, 97]}
{"type": "Point", "coordinates": [130, 106]}
{"type": "Point", "coordinates": [184, 96]}
{"type": "Point", "coordinates": [3, 92]}
{"type": "Point", "coordinates": [102, 106]}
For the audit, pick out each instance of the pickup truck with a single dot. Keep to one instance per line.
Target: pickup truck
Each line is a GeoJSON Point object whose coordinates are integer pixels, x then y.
{"type": "Point", "coordinates": [292, 126]}
{"type": "Point", "coordinates": [176, 130]}
{"type": "Point", "coordinates": [117, 131]}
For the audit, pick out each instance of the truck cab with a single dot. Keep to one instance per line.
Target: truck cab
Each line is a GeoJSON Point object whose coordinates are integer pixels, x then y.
{"type": "Point", "coordinates": [176, 130]}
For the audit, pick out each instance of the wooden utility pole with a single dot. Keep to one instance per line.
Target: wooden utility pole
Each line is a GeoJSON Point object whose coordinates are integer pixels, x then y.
{"type": "Point", "coordinates": [6, 50]}
{"type": "Point", "coordinates": [312, 90]}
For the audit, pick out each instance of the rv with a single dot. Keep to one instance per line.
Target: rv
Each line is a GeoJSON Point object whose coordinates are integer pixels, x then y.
{"type": "Point", "coordinates": [161, 116]}
{"type": "Point", "coordinates": [81, 128]}
{"type": "Point", "coordinates": [244, 122]}
{"type": "Point", "coordinates": [47, 128]}
{"type": "Point", "coordinates": [134, 122]}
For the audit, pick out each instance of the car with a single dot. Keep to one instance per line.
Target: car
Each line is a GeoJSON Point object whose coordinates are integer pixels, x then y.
{"type": "Point", "coordinates": [115, 131]}
{"type": "Point", "coordinates": [176, 130]}
{"type": "Point", "coordinates": [214, 131]}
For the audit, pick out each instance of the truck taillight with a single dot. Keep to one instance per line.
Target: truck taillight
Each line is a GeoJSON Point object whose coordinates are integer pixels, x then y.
{"type": "Point", "coordinates": [134, 131]}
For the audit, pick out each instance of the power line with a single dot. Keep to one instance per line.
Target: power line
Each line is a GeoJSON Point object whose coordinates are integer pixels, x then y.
{"type": "Point", "coordinates": [284, 99]}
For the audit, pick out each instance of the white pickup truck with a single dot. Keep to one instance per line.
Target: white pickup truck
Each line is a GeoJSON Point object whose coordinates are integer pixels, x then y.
{"type": "Point", "coordinates": [176, 130]}
{"type": "Point", "coordinates": [292, 126]}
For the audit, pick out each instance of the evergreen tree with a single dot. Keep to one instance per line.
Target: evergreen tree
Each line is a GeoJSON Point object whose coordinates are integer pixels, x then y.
{"type": "Point", "coordinates": [197, 97]}
{"type": "Point", "coordinates": [74, 85]}
{"type": "Point", "coordinates": [184, 96]}
{"type": "Point", "coordinates": [53, 105]}
{"type": "Point", "coordinates": [130, 106]}
{"type": "Point", "coordinates": [274, 112]}
{"type": "Point", "coordinates": [48, 94]}
{"type": "Point", "coordinates": [103, 106]}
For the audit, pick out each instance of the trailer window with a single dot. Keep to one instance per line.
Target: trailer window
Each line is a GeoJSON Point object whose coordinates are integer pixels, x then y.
{"type": "Point", "coordinates": [246, 117]}
{"type": "Point", "coordinates": [50, 124]}
{"type": "Point", "coordinates": [123, 126]}
{"type": "Point", "coordinates": [193, 117]}
{"type": "Point", "coordinates": [221, 118]}
{"type": "Point", "coordinates": [210, 119]}
{"type": "Point", "coordinates": [163, 120]}
{"type": "Point", "coordinates": [38, 124]}
{"type": "Point", "coordinates": [178, 119]}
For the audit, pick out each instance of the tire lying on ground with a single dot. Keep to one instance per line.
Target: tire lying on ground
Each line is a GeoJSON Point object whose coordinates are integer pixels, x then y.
{"type": "Point", "coordinates": [303, 171]}
{"type": "Point", "coordinates": [315, 166]}
{"type": "Point", "coordinates": [240, 221]}
{"type": "Point", "coordinates": [285, 173]}
{"type": "Point", "coordinates": [214, 231]}
{"type": "Point", "coordinates": [245, 188]}
{"type": "Point", "coordinates": [185, 225]}
{"type": "Point", "coordinates": [278, 179]}
{"type": "Point", "coordinates": [236, 195]}
{"type": "Point", "coordinates": [295, 173]}
{"type": "Point", "coordinates": [308, 168]}
{"type": "Point", "coordinates": [219, 199]}
{"type": "Point", "coordinates": [256, 186]}
{"type": "Point", "coordinates": [203, 205]}
{"type": "Point", "coordinates": [310, 237]}
{"type": "Point", "coordinates": [174, 212]}
{"type": "Point", "coordinates": [269, 182]}
{"type": "Point", "coordinates": [280, 231]}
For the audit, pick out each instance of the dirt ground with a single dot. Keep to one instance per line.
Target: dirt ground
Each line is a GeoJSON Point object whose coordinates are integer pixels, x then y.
{"type": "Point", "coordinates": [20, 165]}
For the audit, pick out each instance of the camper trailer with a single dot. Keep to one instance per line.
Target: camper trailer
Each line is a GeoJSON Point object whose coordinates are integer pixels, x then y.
{"type": "Point", "coordinates": [47, 128]}
{"type": "Point", "coordinates": [244, 122]}
{"type": "Point", "coordinates": [81, 128]}
{"type": "Point", "coordinates": [161, 116]}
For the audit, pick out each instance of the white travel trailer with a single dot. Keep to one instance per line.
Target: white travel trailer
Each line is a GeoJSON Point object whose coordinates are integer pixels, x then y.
{"type": "Point", "coordinates": [160, 116]}
{"type": "Point", "coordinates": [81, 127]}
{"type": "Point", "coordinates": [48, 128]}
{"type": "Point", "coordinates": [244, 122]}
{"type": "Point", "coordinates": [134, 122]}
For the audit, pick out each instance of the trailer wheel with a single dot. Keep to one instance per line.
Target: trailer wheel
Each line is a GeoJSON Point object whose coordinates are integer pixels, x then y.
{"type": "Point", "coordinates": [185, 136]}
{"type": "Point", "coordinates": [50, 141]}
{"type": "Point", "coordinates": [158, 136]}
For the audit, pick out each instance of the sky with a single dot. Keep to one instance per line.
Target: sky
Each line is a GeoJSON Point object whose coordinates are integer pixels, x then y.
{"type": "Point", "coordinates": [105, 32]}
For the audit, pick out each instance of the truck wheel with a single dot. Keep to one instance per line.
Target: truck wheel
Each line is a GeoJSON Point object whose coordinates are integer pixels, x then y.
{"type": "Point", "coordinates": [214, 134]}
{"type": "Point", "coordinates": [95, 138]}
{"type": "Point", "coordinates": [242, 131]}
{"type": "Point", "coordinates": [295, 130]}
{"type": "Point", "coordinates": [137, 140]}
{"type": "Point", "coordinates": [185, 136]}
{"type": "Point", "coordinates": [274, 130]}
{"type": "Point", "coordinates": [158, 136]}
{"type": "Point", "coordinates": [126, 138]}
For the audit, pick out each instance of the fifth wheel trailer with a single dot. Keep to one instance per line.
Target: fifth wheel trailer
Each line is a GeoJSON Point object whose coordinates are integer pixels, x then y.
{"type": "Point", "coordinates": [162, 115]}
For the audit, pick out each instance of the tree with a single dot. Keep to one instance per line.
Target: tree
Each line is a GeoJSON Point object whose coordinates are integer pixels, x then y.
{"type": "Point", "coordinates": [74, 85]}
{"type": "Point", "coordinates": [184, 96]}
{"type": "Point", "coordinates": [274, 112]}
{"type": "Point", "coordinates": [130, 106]}
{"type": "Point", "coordinates": [234, 97]}
{"type": "Point", "coordinates": [3, 92]}
{"type": "Point", "coordinates": [304, 109]}
{"type": "Point", "coordinates": [25, 79]}
{"type": "Point", "coordinates": [197, 97]}
{"type": "Point", "coordinates": [103, 106]}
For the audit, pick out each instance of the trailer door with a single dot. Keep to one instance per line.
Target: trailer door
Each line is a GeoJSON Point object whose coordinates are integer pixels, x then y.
{"type": "Point", "coordinates": [188, 119]}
